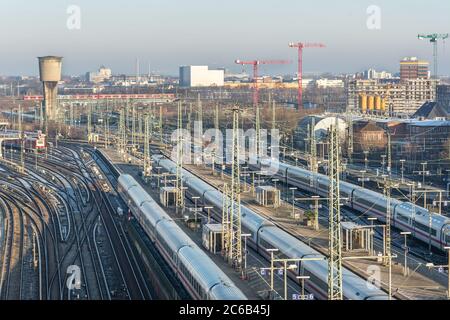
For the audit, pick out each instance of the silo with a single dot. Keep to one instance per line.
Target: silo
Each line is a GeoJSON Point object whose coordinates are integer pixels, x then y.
{"type": "Point", "coordinates": [378, 103]}
{"type": "Point", "coordinates": [371, 102]}
{"type": "Point", "coordinates": [50, 75]}
{"type": "Point", "coordinates": [383, 105]}
{"type": "Point", "coordinates": [363, 103]}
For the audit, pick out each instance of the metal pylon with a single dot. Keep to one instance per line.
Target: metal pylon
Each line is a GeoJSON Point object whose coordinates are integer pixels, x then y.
{"type": "Point", "coordinates": [334, 231]}
{"type": "Point", "coordinates": [179, 172]}
{"type": "Point", "coordinates": [387, 236]}
{"type": "Point", "coordinates": [226, 230]}
{"type": "Point", "coordinates": [161, 125]}
{"type": "Point", "coordinates": [89, 122]}
{"type": "Point", "coordinates": [235, 213]}
{"type": "Point", "coordinates": [350, 146]}
{"type": "Point", "coordinates": [122, 132]}
{"type": "Point", "coordinates": [147, 158]}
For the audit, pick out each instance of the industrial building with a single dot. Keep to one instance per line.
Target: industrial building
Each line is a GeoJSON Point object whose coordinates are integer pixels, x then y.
{"type": "Point", "coordinates": [413, 68]}
{"type": "Point", "coordinates": [101, 75]}
{"type": "Point", "coordinates": [392, 97]}
{"type": "Point", "coordinates": [201, 76]}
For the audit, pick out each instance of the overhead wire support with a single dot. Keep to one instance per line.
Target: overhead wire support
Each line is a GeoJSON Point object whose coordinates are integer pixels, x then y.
{"type": "Point", "coordinates": [388, 185]}
{"type": "Point", "coordinates": [179, 170]}
{"type": "Point", "coordinates": [147, 156]}
{"type": "Point", "coordinates": [335, 291]}
{"type": "Point", "coordinates": [235, 212]}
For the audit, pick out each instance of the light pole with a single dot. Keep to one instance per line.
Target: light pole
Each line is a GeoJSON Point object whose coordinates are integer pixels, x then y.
{"type": "Point", "coordinates": [448, 271]}
{"type": "Point", "coordinates": [302, 280]}
{"type": "Point", "coordinates": [286, 269]}
{"type": "Point", "coordinates": [245, 236]}
{"type": "Point", "coordinates": [293, 189]}
{"type": "Point", "coordinates": [159, 177]}
{"type": "Point", "coordinates": [275, 182]}
{"type": "Point", "coordinates": [383, 162]}
{"type": "Point", "coordinates": [195, 210]}
{"type": "Point", "coordinates": [405, 267]}
{"type": "Point", "coordinates": [271, 268]}
{"type": "Point", "coordinates": [209, 213]}
{"type": "Point", "coordinates": [372, 220]}
{"type": "Point", "coordinates": [402, 161]}
{"type": "Point", "coordinates": [363, 178]}
{"type": "Point", "coordinates": [366, 160]}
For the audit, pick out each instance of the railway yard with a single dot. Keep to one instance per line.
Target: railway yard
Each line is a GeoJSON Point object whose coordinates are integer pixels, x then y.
{"type": "Point", "coordinates": [56, 215]}
{"type": "Point", "coordinates": [64, 209]}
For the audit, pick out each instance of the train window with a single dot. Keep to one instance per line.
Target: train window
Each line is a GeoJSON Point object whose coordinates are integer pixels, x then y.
{"type": "Point", "coordinates": [403, 218]}
{"type": "Point", "coordinates": [425, 228]}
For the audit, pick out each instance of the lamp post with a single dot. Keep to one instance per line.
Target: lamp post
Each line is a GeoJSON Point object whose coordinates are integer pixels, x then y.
{"type": "Point", "coordinates": [195, 210]}
{"type": "Point", "coordinates": [209, 212]}
{"type": "Point", "coordinates": [293, 189]}
{"type": "Point", "coordinates": [448, 271]}
{"type": "Point", "coordinates": [383, 162]}
{"type": "Point", "coordinates": [245, 236]}
{"type": "Point", "coordinates": [275, 182]}
{"type": "Point", "coordinates": [366, 160]}
{"type": "Point", "coordinates": [405, 267]}
{"type": "Point", "coordinates": [271, 251]}
{"type": "Point", "coordinates": [402, 161]}
{"type": "Point", "coordinates": [363, 178]}
{"type": "Point", "coordinates": [158, 168]}
{"type": "Point", "coordinates": [302, 280]}
{"type": "Point", "coordinates": [372, 220]}
{"type": "Point", "coordinates": [286, 269]}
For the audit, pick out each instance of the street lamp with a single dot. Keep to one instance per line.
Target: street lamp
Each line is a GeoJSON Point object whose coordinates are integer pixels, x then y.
{"type": "Point", "coordinates": [271, 251]}
{"type": "Point", "coordinates": [209, 213]}
{"type": "Point", "coordinates": [448, 270]}
{"type": "Point", "coordinates": [372, 219]}
{"type": "Point", "coordinates": [293, 189]}
{"type": "Point", "coordinates": [275, 182]}
{"type": "Point", "coordinates": [363, 178]}
{"type": "Point", "coordinates": [245, 236]}
{"type": "Point", "coordinates": [402, 161]}
{"type": "Point", "coordinates": [158, 168]}
{"type": "Point", "coordinates": [195, 210]}
{"type": "Point", "coordinates": [302, 280]}
{"type": "Point", "coordinates": [405, 268]}
{"type": "Point", "coordinates": [366, 160]}
{"type": "Point", "coordinates": [383, 162]}
{"type": "Point", "coordinates": [286, 269]}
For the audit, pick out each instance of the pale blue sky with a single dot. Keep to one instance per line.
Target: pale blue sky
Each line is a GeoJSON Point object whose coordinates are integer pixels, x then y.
{"type": "Point", "coordinates": [169, 33]}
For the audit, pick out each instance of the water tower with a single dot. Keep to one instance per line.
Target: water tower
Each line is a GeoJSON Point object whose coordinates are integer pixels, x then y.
{"type": "Point", "coordinates": [50, 75]}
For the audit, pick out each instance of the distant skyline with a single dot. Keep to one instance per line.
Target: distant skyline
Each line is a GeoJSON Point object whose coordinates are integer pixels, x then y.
{"type": "Point", "coordinates": [170, 33]}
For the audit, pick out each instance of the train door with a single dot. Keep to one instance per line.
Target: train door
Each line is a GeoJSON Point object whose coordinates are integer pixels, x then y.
{"type": "Point", "coordinates": [445, 236]}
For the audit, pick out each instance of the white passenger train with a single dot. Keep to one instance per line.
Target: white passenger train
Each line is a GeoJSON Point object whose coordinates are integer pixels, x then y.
{"type": "Point", "coordinates": [202, 278]}
{"type": "Point", "coordinates": [423, 225]}
{"type": "Point", "coordinates": [266, 235]}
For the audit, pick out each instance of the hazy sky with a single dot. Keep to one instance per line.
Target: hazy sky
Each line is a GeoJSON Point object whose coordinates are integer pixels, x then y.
{"type": "Point", "coordinates": [169, 33]}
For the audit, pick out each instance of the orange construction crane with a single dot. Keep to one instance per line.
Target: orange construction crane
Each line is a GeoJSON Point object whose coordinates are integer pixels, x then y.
{"type": "Point", "coordinates": [300, 46]}
{"type": "Point", "coordinates": [255, 64]}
